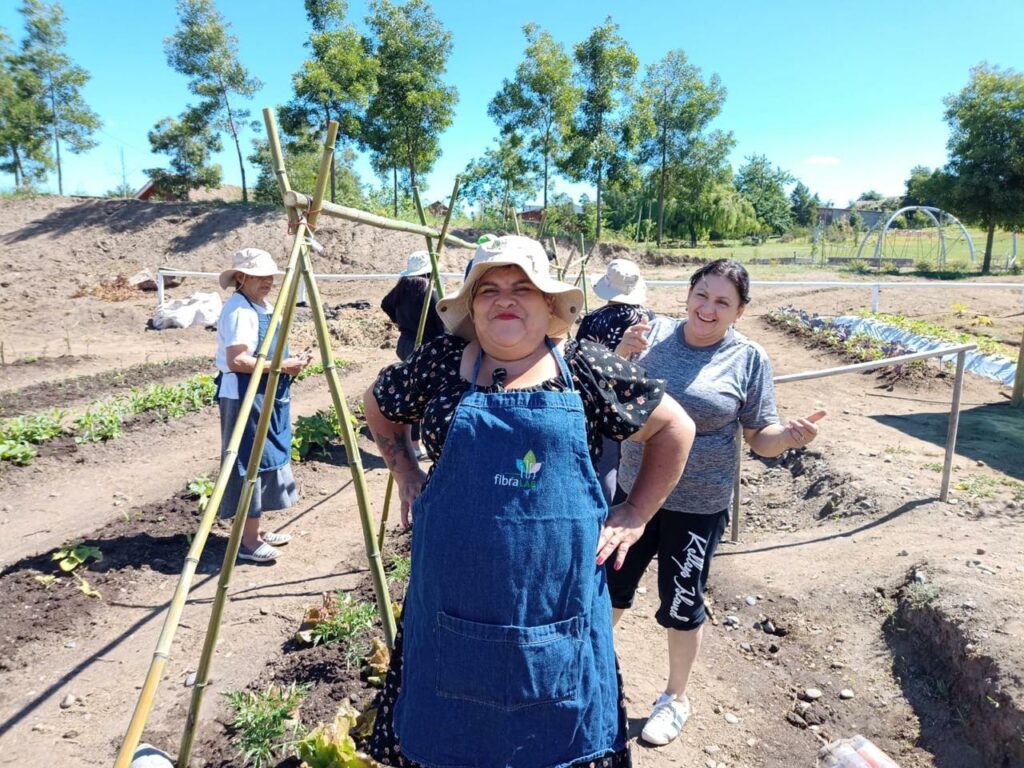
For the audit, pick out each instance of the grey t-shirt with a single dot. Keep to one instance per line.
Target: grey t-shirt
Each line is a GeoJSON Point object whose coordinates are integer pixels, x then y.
{"type": "Point", "coordinates": [716, 385]}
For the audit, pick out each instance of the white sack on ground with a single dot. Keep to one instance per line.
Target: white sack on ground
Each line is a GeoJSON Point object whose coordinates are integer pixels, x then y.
{"type": "Point", "coordinates": [197, 309]}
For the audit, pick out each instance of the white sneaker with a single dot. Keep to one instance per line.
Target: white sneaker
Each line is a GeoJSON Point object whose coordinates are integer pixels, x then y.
{"type": "Point", "coordinates": [667, 719]}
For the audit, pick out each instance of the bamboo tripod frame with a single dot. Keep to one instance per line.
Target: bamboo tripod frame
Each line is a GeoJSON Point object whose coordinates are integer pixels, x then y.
{"type": "Point", "coordinates": [298, 267]}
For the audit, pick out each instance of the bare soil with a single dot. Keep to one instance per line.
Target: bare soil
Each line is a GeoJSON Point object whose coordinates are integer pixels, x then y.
{"type": "Point", "coordinates": [830, 538]}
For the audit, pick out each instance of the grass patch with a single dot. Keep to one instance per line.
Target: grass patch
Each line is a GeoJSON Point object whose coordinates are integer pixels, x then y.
{"type": "Point", "coordinates": [400, 570]}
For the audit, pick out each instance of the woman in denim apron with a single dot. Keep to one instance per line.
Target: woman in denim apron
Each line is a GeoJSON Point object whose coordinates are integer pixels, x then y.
{"type": "Point", "coordinates": [243, 324]}
{"type": "Point", "coordinates": [505, 655]}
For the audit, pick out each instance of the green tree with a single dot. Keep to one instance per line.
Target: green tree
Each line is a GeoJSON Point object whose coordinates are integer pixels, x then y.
{"type": "Point", "coordinates": [677, 105]}
{"type": "Point", "coordinates": [23, 134]}
{"type": "Point", "coordinates": [803, 206]}
{"type": "Point", "coordinates": [600, 138]}
{"type": "Point", "coordinates": [67, 117]}
{"type": "Point", "coordinates": [303, 164]}
{"type": "Point", "coordinates": [189, 142]}
{"type": "Point", "coordinates": [694, 178]}
{"type": "Point", "coordinates": [540, 101]}
{"type": "Point", "coordinates": [334, 83]}
{"type": "Point", "coordinates": [202, 49]}
{"type": "Point", "coordinates": [764, 186]}
{"type": "Point", "coordinates": [412, 106]}
{"type": "Point", "coordinates": [504, 177]}
{"type": "Point", "coordinates": [986, 152]}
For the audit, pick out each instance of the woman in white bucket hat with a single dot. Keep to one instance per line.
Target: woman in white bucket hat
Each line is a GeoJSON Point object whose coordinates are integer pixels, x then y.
{"type": "Point", "coordinates": [504, 655]}
{"type": "Point", "coordinates": [243, 323]}
{"type": "Point", "coordinates": [624, 289]}
{"type": "Point", "coordinates": [403, 306]}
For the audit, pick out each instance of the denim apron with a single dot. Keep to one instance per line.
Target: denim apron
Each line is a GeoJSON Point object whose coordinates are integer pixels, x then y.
{"type": "Point", "coordinates": [277, 450]}
{"type": "Point", "coordinates": [508, 657]}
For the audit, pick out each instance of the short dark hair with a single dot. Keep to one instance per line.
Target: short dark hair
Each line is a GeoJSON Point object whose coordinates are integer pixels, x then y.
{"type": "Point", "coordinates": [731, 270]}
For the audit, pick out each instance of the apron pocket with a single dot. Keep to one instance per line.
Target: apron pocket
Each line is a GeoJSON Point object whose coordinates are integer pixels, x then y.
{"type": "Point", "coordinates": [508, 667]}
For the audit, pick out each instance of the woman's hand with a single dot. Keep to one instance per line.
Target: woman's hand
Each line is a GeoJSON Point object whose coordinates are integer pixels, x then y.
{"type": "Point", "coordinates": [410, 484]}
{"type": "Point", "coordinates": [801, 432]}
{"type": "Point", "coordinates": [634, 340]}
{"type": "Point", "coordinates": [293, 365]}
{"type": "Point", "coordinates": [622, 529]}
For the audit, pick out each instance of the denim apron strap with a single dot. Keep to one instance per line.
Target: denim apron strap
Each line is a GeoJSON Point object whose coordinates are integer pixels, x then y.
{"type": "Point", "coordinates": [508, 659]}
{"type": "Point", "coordinates": [278, 446]}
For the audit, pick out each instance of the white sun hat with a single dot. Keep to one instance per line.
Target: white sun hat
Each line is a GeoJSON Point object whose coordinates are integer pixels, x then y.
{"type": "Point", "coordinates": [418, 264]}
{"type": "Point", "coordinates": [528, 255]}
{"type": "Point", "coordinates": [249, 261]}
{"type": "Point", "coordinates": [622, 282]}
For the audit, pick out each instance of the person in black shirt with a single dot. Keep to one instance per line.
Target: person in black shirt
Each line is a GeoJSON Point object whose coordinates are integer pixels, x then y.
{"type": "Point", "coordinates": [403, 306]}
{"type": "Point", "coordinates": [625, 291]}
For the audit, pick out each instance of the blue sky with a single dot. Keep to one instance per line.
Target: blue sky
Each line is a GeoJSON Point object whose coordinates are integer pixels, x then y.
{"type": "Point", "coordinates": [845, 96]}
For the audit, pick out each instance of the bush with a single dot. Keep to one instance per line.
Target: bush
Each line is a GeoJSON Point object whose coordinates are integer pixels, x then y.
{"type": "Point", "coordinates": [265, 722]}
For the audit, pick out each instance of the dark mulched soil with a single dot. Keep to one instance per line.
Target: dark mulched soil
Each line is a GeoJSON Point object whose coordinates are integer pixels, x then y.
{"type": "Point", "coordinates": [149, 538]}
{"type": "Point", "coordinates": [64, 392]}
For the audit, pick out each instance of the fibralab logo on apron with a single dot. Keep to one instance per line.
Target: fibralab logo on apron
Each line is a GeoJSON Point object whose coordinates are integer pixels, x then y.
{"type": "Point", "coordinates": [528, 467]}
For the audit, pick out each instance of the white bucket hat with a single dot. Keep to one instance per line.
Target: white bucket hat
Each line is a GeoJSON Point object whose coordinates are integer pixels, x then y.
{"type": "Point", "coordinates": [528, 255]}
{"type": "Point", "coordinates": [622, 283]}
{"type": "Point", "coordinates": [418, 264]}
{"type": "Point", "coordinates": [249, 261]}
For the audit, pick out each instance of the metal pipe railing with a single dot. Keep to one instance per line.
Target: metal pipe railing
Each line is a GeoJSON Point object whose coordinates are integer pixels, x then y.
{"type": "Point", "coordinates": [960, 350]}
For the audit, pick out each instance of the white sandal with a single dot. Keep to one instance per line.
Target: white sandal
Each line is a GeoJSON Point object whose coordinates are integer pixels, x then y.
{"type": "Point", "coordinates": [276, 539]}
{"type": "Point", "coordinates": [264, 553]}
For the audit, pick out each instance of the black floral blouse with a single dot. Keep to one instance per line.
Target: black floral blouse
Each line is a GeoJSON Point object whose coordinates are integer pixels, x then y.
{"type": "Point", "coordinates": [607, 324]}
{"type": "Point", "coordinates": [617, 396]}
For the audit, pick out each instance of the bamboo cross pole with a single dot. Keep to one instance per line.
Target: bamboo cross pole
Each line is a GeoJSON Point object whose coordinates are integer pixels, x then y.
{"type": "Point", "coordinates": [289, 292]}
{"type": "Point", "coordinates": [421, 327]}
{"type": "Point", "coordinates": [332, 210]}
{"type": "Point", "coordinates": [430, 243]}
{"type": "Point", "coordinates": [355, 464]}
{"type": "Point", "coordinates": [280, 172]}
{"type": "Point", "coordinates": [349, 437]}
{"type": "Point", "coordinates": [161, 655]}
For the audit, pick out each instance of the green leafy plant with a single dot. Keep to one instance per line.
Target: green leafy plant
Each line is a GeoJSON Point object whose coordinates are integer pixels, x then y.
{"type": "Point", "coordinates": [401, 569]}
{"type": "Point", "coordinates": [347, 622]}
{"type": "Point", "coordinates": [74, 556]}
{"type": "Point", "coordinates": [201, 488]}
{"type": "Point", "coordinates": [20, 435]}
{"type": "Point", "coordinates": [265, 722]}
{"type": "Point", "coordinates": [314, 432]}
{"type": "Point", "coordinates": [330, 745]}
{"type": "Point", "coordinates": [100, 422]}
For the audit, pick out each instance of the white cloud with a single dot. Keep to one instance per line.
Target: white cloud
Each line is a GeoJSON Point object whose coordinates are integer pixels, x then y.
{"type": "Point", "coordinates": [822, 160]}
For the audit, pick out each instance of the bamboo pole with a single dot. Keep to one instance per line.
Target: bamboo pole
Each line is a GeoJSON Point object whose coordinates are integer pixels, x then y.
{"type": "Point", "coordinates": [161, 655]}
{"type": "Point", "coordinates": [355, 465]}
{"type": "Point", "coordinates": [289, 290]}
{"type": "Point", "coordinates": [332, 210]}
{"type": "Point", "coordinates": [1017, 398]}
{"type": "Point", "coordinates": [515, 221]}
{"type": "Point", "coordinates": [280, 172]}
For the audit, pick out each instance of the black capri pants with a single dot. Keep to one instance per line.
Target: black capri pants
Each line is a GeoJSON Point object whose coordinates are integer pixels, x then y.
{"type": "Point", "coordinates": [684, 544]}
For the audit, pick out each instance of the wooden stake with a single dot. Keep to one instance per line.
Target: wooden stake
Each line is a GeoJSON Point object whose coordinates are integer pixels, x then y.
{"type": "Point", "coordinates": [1018, 382]}
{"type": "Point", "coordinates": [332, 210]}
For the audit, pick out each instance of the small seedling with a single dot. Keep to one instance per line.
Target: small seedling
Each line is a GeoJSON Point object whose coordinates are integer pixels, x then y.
{"type": "Point", "coordinates": [346, 622]}
{"type": "Point", "coordinates": [959, 309]}
{"type": "Point", "coordinates": [401, 568]}
{"type": "Point", "coordinates": [74, 556]}
{"type": "Point", "coordinates": [201, 488]}
{"type": "Point", "coordinates": [266, 722]}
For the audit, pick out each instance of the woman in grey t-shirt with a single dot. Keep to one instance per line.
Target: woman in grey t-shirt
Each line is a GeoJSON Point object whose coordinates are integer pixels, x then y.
{"type": "Point", "coordinates": [721, 379]}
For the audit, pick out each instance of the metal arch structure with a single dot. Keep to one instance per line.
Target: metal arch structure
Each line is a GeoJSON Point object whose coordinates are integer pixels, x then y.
{"type": "Point", "coordinates": [935, 214]}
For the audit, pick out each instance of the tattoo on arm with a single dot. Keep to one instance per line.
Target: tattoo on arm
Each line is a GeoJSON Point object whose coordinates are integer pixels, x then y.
{"type": "Point", "coordinates": [392, 448]}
